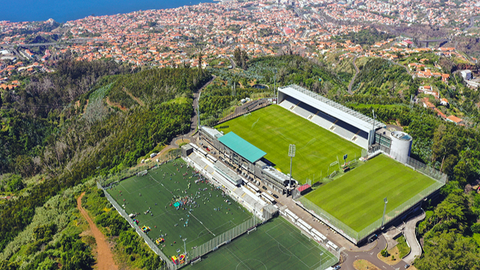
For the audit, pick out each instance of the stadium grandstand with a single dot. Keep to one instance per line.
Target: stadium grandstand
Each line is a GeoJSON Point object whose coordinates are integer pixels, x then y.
{"type": "Point", "coordinates": [245, 159]}
{"type": "Point", "coordinates": [344, 122]}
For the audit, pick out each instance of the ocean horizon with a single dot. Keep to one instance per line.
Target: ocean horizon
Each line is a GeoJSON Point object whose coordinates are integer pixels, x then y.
{"type": "Point", "coordinates": [69, 10]}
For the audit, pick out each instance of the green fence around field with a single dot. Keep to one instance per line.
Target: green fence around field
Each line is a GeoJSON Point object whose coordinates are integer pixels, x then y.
{"type": "Point", "coordinates": [195, 253]}
{"type": "Point", "coordinates": [413, 163]}
{"type": "Point", "coordinates": [168, 264]}
{"type": "Point", "coordinates": [355, 236]}
{"type": "Point", "coordinates": [222, 239]}
{"type": "Point", "coordinates": [324, 264]}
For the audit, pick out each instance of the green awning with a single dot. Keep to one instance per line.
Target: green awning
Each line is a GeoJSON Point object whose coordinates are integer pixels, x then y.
{"type": "Point", "coordinates": [245, 149]}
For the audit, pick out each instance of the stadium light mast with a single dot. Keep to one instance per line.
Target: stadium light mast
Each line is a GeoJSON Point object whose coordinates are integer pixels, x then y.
{"type": "Point", "coordinates": [373, 128]}
{"type": "Point", "coordinates": [185, 246]}
{"type": "Point", "coordinates": [291, 154]}
{"type": "Point", "coordinates": [384, 210]}
{"type": "Point", "coordinates": [275, 85]}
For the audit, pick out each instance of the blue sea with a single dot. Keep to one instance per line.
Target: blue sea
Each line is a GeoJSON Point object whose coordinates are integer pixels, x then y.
{"type": "Point", "coordinates": [67, 10]}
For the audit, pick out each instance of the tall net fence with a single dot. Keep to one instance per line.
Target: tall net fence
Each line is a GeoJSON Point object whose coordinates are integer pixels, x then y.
{"type": "Point", "coordinates": [247, 108]}
{"type": "Point", "coordinates": [427, 170]}
{"type": "Point", "coordinates": [413, 163]}
{"type": "Point", "coordinates": [167, 264]}
{"type": "Point", "coordinates": [327, 218]}
{"type": "Point", "coordinates": [194, 254]}
{"type": "Point", "coordinates": [107, 180]}
{"type": "Point", "coordinates": [355, 236]}
{"type": "Point", "coordinates": [222, 239]}
{"type": "Point", "coordinates": [329, 261]}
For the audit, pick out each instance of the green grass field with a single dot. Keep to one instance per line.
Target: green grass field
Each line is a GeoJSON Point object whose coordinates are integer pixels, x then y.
{"type": "Point", "coordinates": [157, 192]}
{"type": "Point", "coordinates": [274, 245]}
{"type": "Point", "coordinates": [273, 128]}
{"type": "Point", "coordinates": [356, 198]}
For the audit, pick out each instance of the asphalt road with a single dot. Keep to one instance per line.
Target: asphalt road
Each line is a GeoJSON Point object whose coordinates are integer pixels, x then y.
{"type": "Point", "coordinates": [411, 237]}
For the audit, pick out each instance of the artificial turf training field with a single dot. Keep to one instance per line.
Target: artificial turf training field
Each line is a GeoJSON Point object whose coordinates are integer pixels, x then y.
{"type": "Point", "coordinates": [273, 128]}
{"type": "Point", "coordinates": [157, 195]}
{"type": "Point", "coordinates": [274, 245]}
{"type": "Point", "coordinates": [356, 198]}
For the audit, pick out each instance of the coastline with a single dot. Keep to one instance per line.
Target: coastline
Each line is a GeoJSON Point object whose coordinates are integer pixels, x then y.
{"type": "Point", "coordinates": [61, 11]}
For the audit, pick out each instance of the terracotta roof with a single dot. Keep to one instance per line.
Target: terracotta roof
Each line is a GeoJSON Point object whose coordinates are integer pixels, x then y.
{"type": "Point", "coordinates": [454, 119]}
{"type": "Point", "coordinates": [303, 187]}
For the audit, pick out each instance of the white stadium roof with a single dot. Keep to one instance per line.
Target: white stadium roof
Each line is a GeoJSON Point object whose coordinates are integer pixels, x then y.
{"type": "Point", "coordinates": [330, 107]}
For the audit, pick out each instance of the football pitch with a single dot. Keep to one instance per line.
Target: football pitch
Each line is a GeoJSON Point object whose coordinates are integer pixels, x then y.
{"type": "Point", "coordinates": [203, 211]}
{"type": "Point", "coordinates": [273, 129]}
{"type": "Point", "coordinates": [274, 245]}
{"type": "Point", "coordinates": [356, 198]}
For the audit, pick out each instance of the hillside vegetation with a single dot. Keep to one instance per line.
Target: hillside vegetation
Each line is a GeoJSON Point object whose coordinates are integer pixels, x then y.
{"type": "Point", "coordinates": [84, 137]}
{"type": "Point", "coordinates": [382, 77]}
{"type": "Point", "coordinates": [219, 99]}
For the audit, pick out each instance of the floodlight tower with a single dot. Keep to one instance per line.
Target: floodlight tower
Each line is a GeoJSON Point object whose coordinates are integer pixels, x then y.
{"type": "Point", "coordinates": [373, 113]}
{"type": "Point", "coordinates": [384, 209]}
{"type": "Point", "coordinates": [275, 85]}
{"type": "Point", "coordinates": [372, 142]}
{"type": "Point", "coordinates": [185, 246]}
{"type": "Point", "coordinates": [291, 154]}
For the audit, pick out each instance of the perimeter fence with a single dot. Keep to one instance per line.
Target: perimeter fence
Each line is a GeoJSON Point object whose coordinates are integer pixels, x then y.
{"type": "Point", "coordinates": [107, 180]}
{"type": "Point", "coordinates": [248, 108]}
{"type": "Point", "coordinates": [413, 163]}
{"type": "Point", "coordinates": [167, 263]}
{"type": "Point", "coordinates": [355, 236]}
{"type": "Point", "coordinates": [335, 252]}
{"type": "Point", "coordinates": [194, 254]}
{"type": "Point", "coordinates": [222, 239]}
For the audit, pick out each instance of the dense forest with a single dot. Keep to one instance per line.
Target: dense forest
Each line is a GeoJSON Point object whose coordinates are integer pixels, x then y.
{"type": "Point", "coordinates": [30, 114]}
{"type": "Point", "coordinates": [79, 135]}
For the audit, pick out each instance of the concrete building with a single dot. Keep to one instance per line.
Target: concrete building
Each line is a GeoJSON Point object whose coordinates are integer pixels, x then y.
{"type": "Point", "coordinates": [244, 159]}
{"type": "Point", "coordinates": [344, 122]}
{"type": "Point", "coordinates": [466, 74]}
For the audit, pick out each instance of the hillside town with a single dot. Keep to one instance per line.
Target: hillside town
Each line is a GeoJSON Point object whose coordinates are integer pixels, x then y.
{"type": "Point", "coordinates": [171, 36]}
{"type": "Point", "coordinates": [174, 37]}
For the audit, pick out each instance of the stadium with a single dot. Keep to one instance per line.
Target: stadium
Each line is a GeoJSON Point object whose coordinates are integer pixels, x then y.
{"type": "Point", "coordinates": [347, 170]}
{"type": "Point", "coordinates": [357, 167]}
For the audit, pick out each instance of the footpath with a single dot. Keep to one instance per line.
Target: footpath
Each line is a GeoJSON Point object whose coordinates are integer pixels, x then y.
{"type": "Point", "coordinates": [104, 254]}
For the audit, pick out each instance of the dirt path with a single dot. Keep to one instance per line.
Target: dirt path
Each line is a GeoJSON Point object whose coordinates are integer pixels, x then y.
{"type": "Point", "coordinates": [113, 104]}
{"type": "Point", "coordinates": [354, 76]}
{"type": "Point", "coordinates": [134, 98]}
{"type": "Point", "coordinates": [104, 254]}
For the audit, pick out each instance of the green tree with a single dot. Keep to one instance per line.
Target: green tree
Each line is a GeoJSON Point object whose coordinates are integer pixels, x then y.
{"type": "Point", "coordinates": [237, 56]}
{"type": "Point", "coordinates": [449, 251]}
{"type": "Point", "coordinates": [453, 211]}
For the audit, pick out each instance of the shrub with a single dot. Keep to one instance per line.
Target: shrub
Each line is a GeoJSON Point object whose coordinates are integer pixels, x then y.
{"type": "Point", "coordinates": [384, 253]}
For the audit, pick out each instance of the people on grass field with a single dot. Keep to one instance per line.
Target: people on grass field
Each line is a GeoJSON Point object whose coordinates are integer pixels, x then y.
{"type": "Point", "coordinates": [188, 200]}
